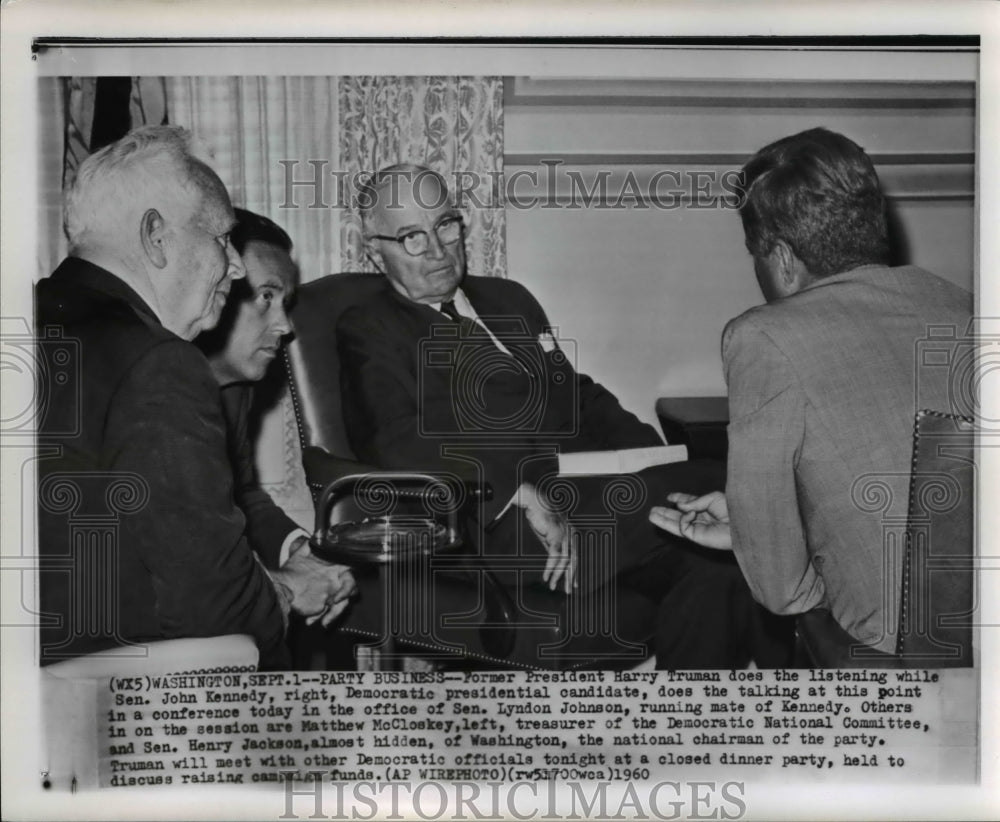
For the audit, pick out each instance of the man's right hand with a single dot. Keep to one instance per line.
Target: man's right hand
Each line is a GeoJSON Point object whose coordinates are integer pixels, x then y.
{"type": "Point", "coordinates": [318, 590]}
{"type": "Point", "coordinates": [704, 520]}
{"type": "Point", "coordinates": [555, 533]}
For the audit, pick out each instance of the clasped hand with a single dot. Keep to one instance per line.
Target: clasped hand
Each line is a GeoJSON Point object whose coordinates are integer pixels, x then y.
{"type": "Point", "coordinates": [703, 520]}
{"type": "Point", "coordinates": [315, 589]}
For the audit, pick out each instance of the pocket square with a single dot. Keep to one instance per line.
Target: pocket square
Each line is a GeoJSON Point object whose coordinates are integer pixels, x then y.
{"type": "Point", "coordinates": [547, 342]}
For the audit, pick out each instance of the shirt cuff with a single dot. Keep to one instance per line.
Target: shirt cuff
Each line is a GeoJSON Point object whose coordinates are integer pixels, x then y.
{"type": "Point", "coordinates": [503, 511]}
{"type": "Point", "coordinates": [286, 546]}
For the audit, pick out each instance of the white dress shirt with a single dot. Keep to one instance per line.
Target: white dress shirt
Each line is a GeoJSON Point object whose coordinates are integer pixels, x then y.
{"type": "Point", "coordinates": [465, 309]}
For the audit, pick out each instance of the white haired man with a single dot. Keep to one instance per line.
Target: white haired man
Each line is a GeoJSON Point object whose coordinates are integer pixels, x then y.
{"type": "Point", "coordinates": [497, 400]}
{"type": "Point", "coordinates": [138, 428]}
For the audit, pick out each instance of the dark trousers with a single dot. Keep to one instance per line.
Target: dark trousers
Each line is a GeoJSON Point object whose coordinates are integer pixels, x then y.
{"type": "Point", "coordinates": [705, 614]}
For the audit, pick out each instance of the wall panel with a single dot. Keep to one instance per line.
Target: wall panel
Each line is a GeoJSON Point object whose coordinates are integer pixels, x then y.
{"type": "Point", "coordinates": [644, 289]}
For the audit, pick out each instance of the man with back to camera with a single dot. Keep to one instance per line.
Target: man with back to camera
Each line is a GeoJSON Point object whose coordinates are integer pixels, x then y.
{"type": "Point", "coordinates": [240, 349]}
{"type": "Point", "coordinates": [822, 386]}
{"type": "Point", "coordinates": [150, 267]}
{"type": "Point", "coordinates": [410, 403]}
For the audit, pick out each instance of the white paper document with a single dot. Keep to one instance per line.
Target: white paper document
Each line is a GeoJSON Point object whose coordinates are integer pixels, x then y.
{"type": "Point", "coordinates": [626, 461]}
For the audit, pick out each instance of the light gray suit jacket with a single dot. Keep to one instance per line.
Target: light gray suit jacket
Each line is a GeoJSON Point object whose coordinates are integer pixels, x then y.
{"type": "Point", "coordinates": [823, 388]}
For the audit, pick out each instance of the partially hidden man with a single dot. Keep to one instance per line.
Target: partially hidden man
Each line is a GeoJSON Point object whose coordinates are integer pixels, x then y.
{"type": "Point", "coordinates": [449, 372]}
{"type": "Point", "coordinates": [137, 432]}
{"type": "Point", "coordinates": [240, 349]}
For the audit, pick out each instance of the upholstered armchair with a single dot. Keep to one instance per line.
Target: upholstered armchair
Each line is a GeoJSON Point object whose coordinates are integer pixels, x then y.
{"type": "Point", "coordinates": [470, 616]}
{"type": "Point", "coordinates": [937, 590]}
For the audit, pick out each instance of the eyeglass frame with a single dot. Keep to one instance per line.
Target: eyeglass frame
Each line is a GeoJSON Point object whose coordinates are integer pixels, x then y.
{"type": "Point", "coordinates": [449, 218]}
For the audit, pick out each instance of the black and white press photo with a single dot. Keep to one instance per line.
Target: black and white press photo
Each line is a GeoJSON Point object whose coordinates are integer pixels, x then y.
{"type": "Point", "coordinates": [557, 428]}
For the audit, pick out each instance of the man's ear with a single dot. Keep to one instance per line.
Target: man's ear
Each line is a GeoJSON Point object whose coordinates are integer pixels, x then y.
{"type": "Point", "coordinates": [374, 255]}
{"type": "Point", "coordinates": [152, 234]}
{"type": "Point", "coordinates": [792, 272]}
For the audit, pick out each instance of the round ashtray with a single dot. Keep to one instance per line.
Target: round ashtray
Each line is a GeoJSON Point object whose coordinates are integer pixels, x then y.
{"type": "Point", "coordinates": [383, 539]}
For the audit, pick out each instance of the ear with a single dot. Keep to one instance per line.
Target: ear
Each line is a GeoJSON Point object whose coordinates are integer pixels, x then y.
{"type": "Point", "coordinates": [152, 235]}
{"type": "Point", "coordinates": [782, 255]}
{"type": "Point", "coordinates": [792, 272]}
{"type": "Point", "coordinates": [375, 255]}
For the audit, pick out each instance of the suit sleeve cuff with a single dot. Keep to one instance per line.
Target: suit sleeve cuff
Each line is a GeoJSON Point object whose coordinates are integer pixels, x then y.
{"type": "Point", "coordinates": [286, 546]}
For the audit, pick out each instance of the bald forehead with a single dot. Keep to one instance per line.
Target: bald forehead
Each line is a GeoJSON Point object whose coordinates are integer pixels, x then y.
{"type": "Point", "coordinates": [206, 180]}
{"type": "Point", "coordinates": [403, 193]}
{"type": "Point", "coordinates": [214, 208]}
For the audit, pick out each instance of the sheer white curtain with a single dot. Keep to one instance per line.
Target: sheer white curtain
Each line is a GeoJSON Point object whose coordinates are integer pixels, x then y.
{"type": "Point", "coordinates": [75, 119]}
{"type": "Point", "coordinates": [51, 136]}
{"type": "Point", "coordinates": [257, 130]}
{"type": "Point", "coordinates": [262, 133]}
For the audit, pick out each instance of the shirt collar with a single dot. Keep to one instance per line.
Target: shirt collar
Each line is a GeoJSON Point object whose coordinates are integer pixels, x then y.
{"type": "Point", "coordinates": [850, 274]}
{"type": "Point", "coordinates": [462, 305]}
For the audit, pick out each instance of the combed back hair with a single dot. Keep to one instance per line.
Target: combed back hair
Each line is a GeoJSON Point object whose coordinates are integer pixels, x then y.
{"type": "Point", "coordinates": [383, 185]}
{"type": "Point", "coordinates": [251, 227]}
{"type": "Point", "coordinates": [150, 167]}
{"type": "Point", "coordinates": [817, 191]}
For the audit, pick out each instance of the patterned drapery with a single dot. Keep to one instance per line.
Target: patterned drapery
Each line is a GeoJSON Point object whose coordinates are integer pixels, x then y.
{"type": "Point", "coordinates": [453, 125]}
{"type": "Point", "coordinates": [273, 140]}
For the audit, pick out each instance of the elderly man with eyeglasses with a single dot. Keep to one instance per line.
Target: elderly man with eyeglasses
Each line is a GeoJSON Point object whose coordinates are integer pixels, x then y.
{"type": "Point", "coordinates": [447, 372]}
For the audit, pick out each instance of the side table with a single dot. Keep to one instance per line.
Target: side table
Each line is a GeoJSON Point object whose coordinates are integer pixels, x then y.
{"type": "Point", "coordinates": [697, 422]}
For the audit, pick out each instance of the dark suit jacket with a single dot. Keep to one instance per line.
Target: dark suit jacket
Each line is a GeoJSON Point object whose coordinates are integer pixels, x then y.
{"type": "Point", "coordinates": [418, 395]}
{"type": "Point", "coordinates": [413, 387]}
{"type": "Point", "coordinates": [267, 525]}
{"type": "Point", "coordinates": [137, 438]}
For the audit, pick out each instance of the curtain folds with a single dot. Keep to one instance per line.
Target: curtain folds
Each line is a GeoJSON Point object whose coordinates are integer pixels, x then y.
{"type": "Point", "coordinates": [262, 134]}
{"type": "Point", "coordinates": [290, 148]}
{"type": "Point", "coordinates": [78, 116]}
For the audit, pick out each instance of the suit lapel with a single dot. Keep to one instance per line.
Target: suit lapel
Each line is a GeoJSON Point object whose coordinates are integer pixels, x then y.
{"type": "Point", "coordinates": [505, 320]}
{"type": "Point", "coordinates": [417, 318]}
{"type": "Point", "coordinates": [510, 325]}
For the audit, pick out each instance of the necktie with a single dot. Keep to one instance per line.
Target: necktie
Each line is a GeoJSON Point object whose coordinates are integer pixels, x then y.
{"type": "Point", "coordinates": [467, 326]}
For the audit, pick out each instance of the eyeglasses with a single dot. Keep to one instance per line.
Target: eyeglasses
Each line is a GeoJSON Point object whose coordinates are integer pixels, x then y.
{"type": "Point", "coordinates": [416, 243]}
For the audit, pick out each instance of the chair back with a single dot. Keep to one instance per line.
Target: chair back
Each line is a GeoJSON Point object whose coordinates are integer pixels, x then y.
{"type": "Point", "coordinates": [469, 618]}
{"type": "Point", "coordinates": [938, 593]}
{"type": "Point", "coordinates": [313, 361]}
